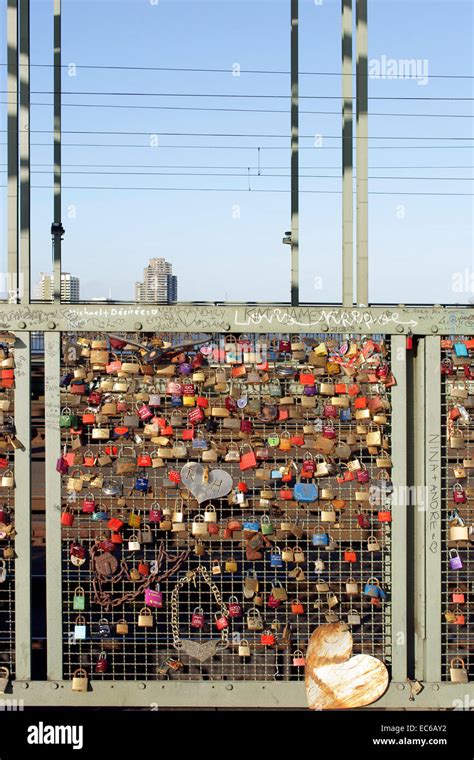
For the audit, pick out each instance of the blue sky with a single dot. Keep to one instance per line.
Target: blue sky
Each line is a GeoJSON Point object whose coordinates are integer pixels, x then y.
{"type": "Point", "coordinates": [224, 241]}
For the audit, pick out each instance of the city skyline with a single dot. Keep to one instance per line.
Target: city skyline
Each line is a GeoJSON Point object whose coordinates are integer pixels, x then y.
{"type": "Point", "coordinates": [159, 284]}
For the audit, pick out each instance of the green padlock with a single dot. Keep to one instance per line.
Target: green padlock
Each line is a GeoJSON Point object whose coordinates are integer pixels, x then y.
{"type": "Point", "coordinates": [266, 526]}
{"type": "Point", "coordinates": [67, 419]}
{"type": "Point", "coordinates": [79, 602]}
{"type": "Point", "coordinates": [273, 440]}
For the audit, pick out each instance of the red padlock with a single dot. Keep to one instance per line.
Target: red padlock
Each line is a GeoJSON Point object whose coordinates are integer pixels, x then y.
{"type": "Point", "coordinates": [246, 426]}
{"type": "Point", "coordinates": [221, 621]}
{"type": "Point", "coordinates": [459, 494]}
{"type": "Point", "coordinates": [330, 411]}
{"type": "Point", "coordinates": [297, 608]}
{"type": "Point", "coordinates": [101, 664]}
{"type": "Point", "coordinates": [174, 476]}
{"type": "Point", "coordinates": [242, 486]}
{"type": "Point", "coordinates": [273, 602]}
{"type": "Point", "coordinates": [117, 538]}
{"type": "Point", "coordinates": [143, 569]}
{"type": "Point", "coordinates": [111, 450]}
{"type": "Point", "coordinates": [230, 404]}
{"type": "Point", "coordinates": [284, 346]}
{"type": "Point", "coordinates": [115, 524]}
{"type": "Point", "coordinates": [195, 415]}
{"type": "Point", "coordinates": [213, 529]}
{"type": "Point", "coordinates": [267, 638]}
{"type": "Point", "coordinates": [107, 545]}
{"type": "Point", "coordinates": [202, 401]}
{"type": "Point", "coordinates": [460, 618]}
{"type": "Point", "coordinates": [144, 460]}
{"type": "Point", "coordinates": [458, 596]}
{"type": "Point", "coordinates": [77, 550]}
{"type": "Point", "coordinates": [329, 432]}
{"type": "Point", "coordinates": [67, 517]}
{"type": "Point", "coordinates": [94, 398]}
{"type": "Point", "coordinates": [122, 407]}
{"type": "Point", "coordinates": [197, 619]}
{"type": "Point", "coordinates": [89, 459]}
{"type": "Point", "coordinates": [363, 520]}
{"type": "Point", "coordinates": [155, 514]}
{"type": "Point", "coordinates": [88, 417]}
{"type": "Point", "coordinates": [384, 515]}
{"type": "Point", "coordinates": [88, 503]}
{"type": "Point", "coordinates": [350, 555]}
{"type": "Point", "coordinates": [235, 609]}
{"type": "Point", "coordinates": [363, 476]}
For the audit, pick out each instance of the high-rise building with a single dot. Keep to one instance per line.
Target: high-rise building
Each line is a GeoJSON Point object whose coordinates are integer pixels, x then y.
{"type": "Point", "coordinates": [159, 284]}
{"type": "Point", "coordinates": [69, 287]}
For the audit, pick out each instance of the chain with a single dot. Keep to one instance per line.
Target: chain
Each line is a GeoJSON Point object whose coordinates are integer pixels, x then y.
{"type": "Point", "coordinates": [186, 579]}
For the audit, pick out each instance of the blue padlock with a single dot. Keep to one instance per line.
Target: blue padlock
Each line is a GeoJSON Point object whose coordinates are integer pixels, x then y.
{"type": "Point", "coordinates": [176, 401]}
{"type": "Point", "coordinates": [373, 589]}
{"type": "Point", "coordinates": [305, 492]}
{"type": "Point", "coordinates": [100, 515]}
{"type": "Point", "coordinates": [276, 475]}
{"type": "Point", "coordinates": [460, 349]}
{"type": "Point", "coordinates": [275, 558]}
{"type": "Point", "coordinates": [141, 483]}
{"type": "Point", "coordinates": [345, 415]}
{"type": "Point", "coordinates": [320, 539]}
{"type": "Point", "coordinates": [250, 525]}
{"type": "Point", "coordinates": [199, 443]}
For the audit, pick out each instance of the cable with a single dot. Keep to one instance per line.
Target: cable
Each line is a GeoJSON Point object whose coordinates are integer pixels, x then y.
{"type": "Point", "coordinates": [246, 110]}
{"type": "Point", "coordinates": [244, 174]}
{"type": "Point", "coordinates": [246, 147]}
{"type": "Point", "coordinates": [238, 134]}
{"type": "Point", "coordinates": [213, 166]}
{"type": "Point", "coordinates": [220, 71]}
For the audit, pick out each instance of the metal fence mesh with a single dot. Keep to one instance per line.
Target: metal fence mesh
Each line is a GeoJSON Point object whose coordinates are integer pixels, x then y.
{"type": "Point", "coordinates": [148, 653]}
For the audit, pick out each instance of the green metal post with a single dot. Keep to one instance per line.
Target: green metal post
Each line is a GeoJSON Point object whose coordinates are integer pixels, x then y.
{"type": "Point", "coordinates": [294, 155]}
{"type": "Point", "coordinates": [57, 151]}
{"type": "Point", "coordinates": [362, 153]}
{"type": "Point", "coordinates": [12, 137]}
{"type": "Point", "coordinates": [25, 152]}
{"type": "Point", "coordinates": [347, 159]}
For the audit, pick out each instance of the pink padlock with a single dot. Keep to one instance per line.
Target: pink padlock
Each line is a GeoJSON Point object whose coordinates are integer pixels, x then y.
{"type": "Point", "coordinates": [89, 503]}
{"type": "Point", "coordinates": [153, 598]}
{"type": "Point", "coordinates": [174, 389]}
{"type": "Point", "coordinates": [197, 619]}
{"type": "Point", "coordinates": [101, 664]}
{"type": "Point", "coordinates": [329, 432]}
{"type": "Point", "coordinates": [144, 412]}
{"type": "Point", "coordinates": [221, 621]}
{"type": "Point", "coordinates": [363, 476]}
{"type": "Point", "coordinates": [235, 609]}
{"type": "Point", "coordinates": [155, 514]}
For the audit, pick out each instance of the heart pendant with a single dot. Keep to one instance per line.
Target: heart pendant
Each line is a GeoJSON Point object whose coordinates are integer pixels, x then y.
{"type": "Point", "coordinates": [219, 482]}
{"type": "Point", "coordinates": [201, 651]}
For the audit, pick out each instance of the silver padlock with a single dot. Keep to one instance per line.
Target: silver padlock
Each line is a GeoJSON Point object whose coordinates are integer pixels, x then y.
{"type": "Point", "coordinates": [4, 678]}
{"type": "Point", "coordinates": [3, 571]}
{"type": "Point", "coordinates": [134, 543]}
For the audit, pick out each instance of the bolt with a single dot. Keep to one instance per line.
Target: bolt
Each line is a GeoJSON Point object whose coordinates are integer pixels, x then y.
{"type": "Point", "coordinates": [400, 328]}
{"type": "Point", "coordinates": [25, 685]}
{"type": "Point", "coordinates": [401, 686]}
{"type": "Point", "coordinates": [21, 325]}
{"type": "Point", "coordinates": [226, 328]}
{"type": "Point", "coordinates": [325, 328]}
{"type": "Point", "coordinates": [141, 686]}
{"type": "Point", "coordinates": [51, 325]}
{"type": "Point", "coordinates": [229, 687]}
{"type": "Point", "coordinates": [137, 326]}
{"type": "Point", "coordinates": [434, 328]}
{"type": "Point", "coordinates": [55, 686]}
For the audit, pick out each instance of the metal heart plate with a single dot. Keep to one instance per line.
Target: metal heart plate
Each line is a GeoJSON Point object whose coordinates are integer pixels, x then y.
{"type": "Point", "coordinates": [200, 651]}
{"type": "Point", "coordinates": [219, 482]}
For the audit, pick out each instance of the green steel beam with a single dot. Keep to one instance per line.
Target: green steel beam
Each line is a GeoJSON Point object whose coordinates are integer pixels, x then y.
{"type": "Point", "coordinates": [362, 153]}
{"type": "Point", "coordinates": [240, 318]}
{"type": "Point", "coordinates": [418, 521]}
{"type": "Point", "coordinates": [23, 507]}
{"type": "Point", "coordinates": [240, 694]}
{"type": "Point", "coordinates": [53, 507]}
{"type": "Point", "coordinates": [24, 131]}
{"type": "Point", "coordinates": [57, 149]}
{"type": "Point", "coordinates": [347, 157]}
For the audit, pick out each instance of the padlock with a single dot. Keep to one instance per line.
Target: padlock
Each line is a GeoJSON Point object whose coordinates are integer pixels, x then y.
{"type": "Point", "coordinates": [331, 600]}
{"type": "Point", "coordinates": [141, 483]}
{"type": "Point", "coordinates": [7, 480]}
{"type": "Point", "coordinates": [221, 621]}
{"type": "Point", "coordinates": [80, 629]}
{"type": "Point", "coordinates": [297, 607]}
{"type": "Point", "coordinates": [135, 574]}
{"type": "Point", "coordinates": [254, 620]}
{"type": "Point", "coordinates": [350, 555]}
{"type": "Point", "coordinates": [267, 638]}
{"type": "Point", "coordinates": [80, 681]}
{"type": "Point", "coordinates": [455, 562]}
{"type": "Point", "coordinates": [318, 566]}
{"type": "Point", "coordinates": [273, 603]}
{"type": "Point", "coordinates": [459, 617]}
{"type": "Point", "coordinates": [266, 526]}
{"type": "Point", "coordinates": [89, 503]}
{"type": "Point", "coordinates": [155, 514]}
{"type": "Point", "coordinates": [372, 544]}
{"type": "Point", "coordinates": [153, 598]}
{"type": "Point", "coordinates": [244, 648]}
{"type": "Point", "coordinates": [101, 664]}
{"type": "Point", "coordinates": [67, 517]}
{"type": "Point", "coordinates": [353, 617]}
{"type": "Point", "coordinates": [79, 599]}
{"type": "Point", "coordinates": [234, 608]}
{"type": "Point", "coordinates": [298, 659]}
{"type": "Point", "coordinates": [210, 515]}
{"type": "Point", "coordinates": [320, 539]}
{"type": "Point", "coordinates": [287, 554]}
{"type": "Point", "coordinates": [352, 587]}
{"type": "Point", "coordinates": [298, 555]}
{"type": "Point", "coordinates": [216, 567]}
{"type": "Point", "coordinates": [459, 494]}
{"type": "Point", "coordinates": [457, 671]}
{"type": "Point", "coordinates": [133, 543]}
{"type": "Point", "coordinates": [9, 552]}
{"type": "Point", "coordinates": [122, 627]}
{"type": "Point", "coordinates": [104, 628]}
{"type": "Point", "coordinates": [231, 566]}
{"type": "Point", "coordinates": [145, 618]}
{"type": "Point", "coordinates": [197, 618]}
{"type": "Point", "coordinates": [459, 533]}
{"type": "Point", "coordinates": [458, 596]}
{"type": "Point", "coordinates": [372, 588]}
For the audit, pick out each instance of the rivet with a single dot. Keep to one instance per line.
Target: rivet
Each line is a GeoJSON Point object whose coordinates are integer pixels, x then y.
{"type": "Point", "coordinates": [229, 687]}
{"type": "Point", "coordinates": [226, 327]}
{"type": "Point", "coordinates": [55, 686]}
{"type": "Point", "coordinates": [25, 685]}
{"type": "Point", "coordinates": [401, 687]}
{"type": "Point", "coordinates": [435, 687]}
{"type": "Point", "coordinates": [434, 328]}
{"type": "Point", "coordinates": [51, 325]}
{"type": "Point", "coordinates": [325, 328]}
{"type": "Point", "coordinates": [137, 326]}
{"type": "Point", "coordinates": [400, 328]}
{"type": "Point", "coordinates": [21, 325]}
{"type": "Point", "coordinates": [141, 686]}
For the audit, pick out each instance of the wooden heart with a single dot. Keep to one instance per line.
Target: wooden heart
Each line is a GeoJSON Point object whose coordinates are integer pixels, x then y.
{"type": "Point", "coordinates": [336, 680]}
{"type": "Point", "coordinates": [219, 482]}
{"type": "Point", "coordinates": [199, 650]}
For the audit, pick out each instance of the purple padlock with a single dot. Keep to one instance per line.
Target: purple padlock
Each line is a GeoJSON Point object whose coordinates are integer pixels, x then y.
{"type": "Point", "coordinates": [310, 390]}
{"type": "Point", "coordinates": [185, 368]}
{"type": "Point", "coordinates": [454, 560]}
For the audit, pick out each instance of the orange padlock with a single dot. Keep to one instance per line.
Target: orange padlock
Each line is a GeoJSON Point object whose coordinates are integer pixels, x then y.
{"type": "Point", "coordinates": [297, 608]}
{"type": "Point", "coordinates": [350, 555]}
{"type": "Point", "coordinates": [267, 638]}
{"type": "Point", "coordinates": [384, 516]}
{"type": "Point", "coordinates": [143, 569]}
{"type": "Point", "coordinates": [458, 596]}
